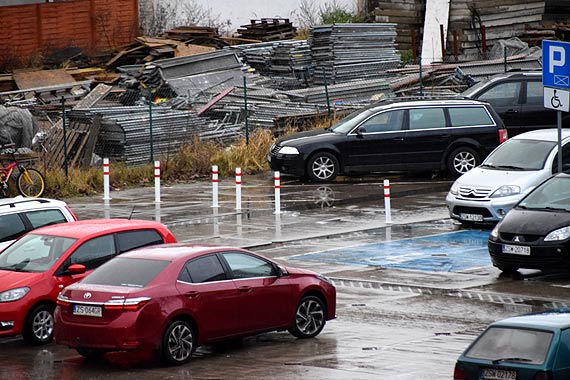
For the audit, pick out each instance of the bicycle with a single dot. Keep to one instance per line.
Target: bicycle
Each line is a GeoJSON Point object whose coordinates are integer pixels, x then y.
{"type": "Point", "coordinates": [29, 181]}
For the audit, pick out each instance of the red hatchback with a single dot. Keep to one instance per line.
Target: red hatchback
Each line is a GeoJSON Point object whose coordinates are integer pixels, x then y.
{"type": "Point", "coordinates": [36, 267]}
{"type": "Point", "coordinates": [172, 298]}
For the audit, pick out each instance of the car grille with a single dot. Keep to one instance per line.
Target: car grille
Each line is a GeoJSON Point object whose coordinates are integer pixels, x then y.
{"type": "Point", "coordinates": [507, 237]}
{"type": "Point", "coordinates": [471, 192]}
{"type": "Point", "coordinates": [531, 262]}
{"type": "Point", "coordinates": [472, 210]}
{"type": "Point", "coordinates": [275, 149]}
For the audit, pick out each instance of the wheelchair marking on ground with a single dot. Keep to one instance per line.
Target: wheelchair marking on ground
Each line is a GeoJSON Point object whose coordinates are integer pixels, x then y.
{"type": "Point", "coordinates": [449, 252]}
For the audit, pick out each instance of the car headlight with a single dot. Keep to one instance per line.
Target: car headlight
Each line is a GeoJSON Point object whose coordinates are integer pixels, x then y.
{"type": "Point", "coordinates": [454, 189]}
{"type": "Point", "coordinates": [506, 191]}
{"type": "Point", "coordinates": [558, 235]}
{"type": "Point", "coordinates": [325, 279]}
{"type": "Point", "coordinates": [14, 294]}
{"type": "Point", "coordinates": [288, 150]}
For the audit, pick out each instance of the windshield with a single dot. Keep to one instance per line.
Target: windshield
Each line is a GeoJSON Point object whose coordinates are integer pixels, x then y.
{"type": "Point", "coordinates": [136, 273]}
{"type": "Point", "coordinates": [502, 344]}
{"type": "Point", "coordinates": [473, 89]}
{"type": "Point", "coordinates": [553, 194]}
{"type": "Point", "coordinates": [520, 155]}
{"type": "Point", "coordinates": [351, 121]}
{"type": "Point", "coordinates": [34, 253]}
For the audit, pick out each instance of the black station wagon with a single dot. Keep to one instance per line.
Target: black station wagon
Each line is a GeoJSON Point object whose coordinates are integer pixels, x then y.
{"type": "Point", "coordinates": [393, 135]}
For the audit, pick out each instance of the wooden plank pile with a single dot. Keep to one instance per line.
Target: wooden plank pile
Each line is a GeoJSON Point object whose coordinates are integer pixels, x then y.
{"type": "Point", "coordinates": [268, 29]}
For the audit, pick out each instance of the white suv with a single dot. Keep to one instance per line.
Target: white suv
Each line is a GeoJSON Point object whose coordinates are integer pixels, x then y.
{"type": "Point", "coordinates": [19, 215]}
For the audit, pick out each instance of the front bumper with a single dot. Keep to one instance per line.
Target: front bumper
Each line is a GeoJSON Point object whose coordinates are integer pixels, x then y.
{"type": "Point", "coordinates": [287, 164]}
{"type": "Point", "coordinates": [12, 315]}
{"type": "Point", "coordinates": [551, 256]}
{"type": "Point", "coordinates": [491, 210]}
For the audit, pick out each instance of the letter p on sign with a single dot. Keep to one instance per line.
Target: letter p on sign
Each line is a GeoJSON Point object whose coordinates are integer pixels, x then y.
{"type": "Point", "coordinates": [557, 57]}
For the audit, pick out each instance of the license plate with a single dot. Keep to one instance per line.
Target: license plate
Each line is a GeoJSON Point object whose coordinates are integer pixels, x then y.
{"type": "Point", "coordinates": [90, 311]}
{"type": "Point", "coordinates": [498, 374]}
{"type": "Point", "coordinates": [516, 249]}
{"type": "Point", "coordinates": [471, 217]}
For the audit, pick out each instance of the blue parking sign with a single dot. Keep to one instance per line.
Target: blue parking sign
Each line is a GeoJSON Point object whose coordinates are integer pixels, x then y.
{"type": "Point", "coordinates": [556, 64]}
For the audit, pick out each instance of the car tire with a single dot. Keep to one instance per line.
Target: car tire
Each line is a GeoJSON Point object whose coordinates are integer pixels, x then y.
{"type": "Point", "coordinates": [310, 318]}
{"type": "Point", "coordinates": [38, 327]}
{"type": "Point", "coordinates": [322, 167]}
{"type": "Point", "coordinates": [461, 160]}
{"type": "Point", "coordinates": [178, 343]}
{"type": "Point", "coordinates": [90, 353]}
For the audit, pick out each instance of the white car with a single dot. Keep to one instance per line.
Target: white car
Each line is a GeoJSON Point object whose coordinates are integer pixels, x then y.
{"type": "Point", "coordinates": [486, 193]}
{"type": "Point", "coordinates": [19, 215]}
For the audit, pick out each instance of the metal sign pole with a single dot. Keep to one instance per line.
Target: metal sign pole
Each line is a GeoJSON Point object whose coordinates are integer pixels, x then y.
{"type": "Point", "coordinates": [559, 121]}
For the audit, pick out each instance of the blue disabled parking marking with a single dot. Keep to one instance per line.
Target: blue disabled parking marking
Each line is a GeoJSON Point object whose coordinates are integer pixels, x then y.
{"type": "Point", "coordinates": [448, 252]}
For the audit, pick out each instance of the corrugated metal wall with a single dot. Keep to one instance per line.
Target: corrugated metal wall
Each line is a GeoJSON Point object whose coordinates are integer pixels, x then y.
{"type": "Point", "coordinates": [97, 26]}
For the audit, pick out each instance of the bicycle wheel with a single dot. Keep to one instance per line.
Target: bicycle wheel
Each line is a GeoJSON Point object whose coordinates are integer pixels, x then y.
{"type": "Point", "coordinates": [30, 183]}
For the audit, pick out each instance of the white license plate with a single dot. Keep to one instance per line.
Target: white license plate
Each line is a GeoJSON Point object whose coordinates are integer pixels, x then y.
{"type": "Point", "coordinates": [471, 217]}
{"type": "Point", "coordinates": [498, 374]}
{"type": "Point", "coordinates": [91, 311]}
{"type": "Point", "coordinates": [516, 249]}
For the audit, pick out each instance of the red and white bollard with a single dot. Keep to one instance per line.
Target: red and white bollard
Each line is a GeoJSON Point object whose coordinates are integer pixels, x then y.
{"type": "Point", "coordinates": [215, 186]}
{"type": "Point", "coordinates": [277, 192]}
{"type": "Point", "coordinates": [238, 188]}
{"type": "Point", "coordinates": [106, 196]}
{"type": "Point", "coordinates": [387, 209]}
{"type": "Point", "coordinates": [157, 181]}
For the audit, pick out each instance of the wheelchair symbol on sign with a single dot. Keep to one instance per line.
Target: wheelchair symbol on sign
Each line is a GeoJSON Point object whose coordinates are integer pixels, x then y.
{"type": "Point", "coordinates": [555, 101]}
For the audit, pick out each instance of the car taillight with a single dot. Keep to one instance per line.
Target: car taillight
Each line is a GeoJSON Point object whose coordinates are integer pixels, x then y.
{"type": "Point", "coordinates": [543, 375]}
{"type": "Point", "coordinates": [459, 373]}
{"type": "Point", "coordinates": [129, 304]}
{"type": "Point", "coordinates": [62, 301]}
{"type": "Point", "coordinates": [503, 135]}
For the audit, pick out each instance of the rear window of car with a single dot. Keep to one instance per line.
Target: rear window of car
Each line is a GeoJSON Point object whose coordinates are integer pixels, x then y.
{"type": "Point", "coordinates": [520, 155]}
{"type": "Point", "coordinates": [469, 116]}
{"type": "Point", "coordinates": [129, 272]}
{"type": "Point", "coordinates": [526, 345]}
{"type": "Point", "coordinates": [40, 218]}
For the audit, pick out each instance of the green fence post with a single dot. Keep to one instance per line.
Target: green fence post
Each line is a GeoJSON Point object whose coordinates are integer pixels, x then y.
{"type": "Point", "coordinates": [246, 112]}
{"type": "Point", "coordinates": [327, 91]}
{"type": "Point", "coordinates": [150, 124]}
{"type": "Point", "coordinates": [64, 137]}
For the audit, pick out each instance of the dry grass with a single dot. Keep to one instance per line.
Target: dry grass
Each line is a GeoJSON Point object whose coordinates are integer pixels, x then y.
{"type": "Point", "coordinates": [193, 160]}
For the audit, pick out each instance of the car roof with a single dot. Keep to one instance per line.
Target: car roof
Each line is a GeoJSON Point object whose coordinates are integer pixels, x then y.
{"type": "Point", "coordinates": [548, 134]}
{"type": "Point", "coordinates": [549, 320]}
{"type": "Point", "coordinates": [516, 74]}
{"type": "Point", "coordinates": [22, 203]}
{"type": "Point", "coordinates": [415, 102]}
{"type": "Point", "coordinates": [93, 227]}
{"type": "Point", "coordinates": [174, 251]}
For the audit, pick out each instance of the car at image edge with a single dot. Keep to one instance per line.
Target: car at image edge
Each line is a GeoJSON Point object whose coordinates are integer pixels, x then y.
{"type": "Point", "coordinates": [535, 233]}
{"type": "Point", "coordinates": [169, 299]}
{"type": "Point", "coordinates": [528, 347]}
{"type": "Point", "coordinates": [486, 193]}
{"type": "Point", "coordinates": [37, 266]}
{"type": "Point", "coordinates": [394, 135]}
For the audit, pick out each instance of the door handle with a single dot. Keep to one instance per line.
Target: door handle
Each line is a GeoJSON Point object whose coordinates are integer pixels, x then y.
{"type": "Point", "coordinates": [511, 111]}
{"type": "Point", "coordinates": [244, 288]}
{"type": "Point", "coordinates": [398, 139]}
{"type": "Point", "coordinates": [191, 294]}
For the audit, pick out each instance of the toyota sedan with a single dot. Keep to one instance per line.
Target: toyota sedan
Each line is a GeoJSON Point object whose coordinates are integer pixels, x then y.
{"type": "Point", "coordinates": [172, 298]}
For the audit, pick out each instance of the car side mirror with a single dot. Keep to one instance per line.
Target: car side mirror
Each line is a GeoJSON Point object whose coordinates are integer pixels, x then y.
{"type": "Point", "coordinates": [360, 131]}
{"type": "Point", "coordinates": [76, 269]}
{"type": "Point", "coordinates": [280, 272]}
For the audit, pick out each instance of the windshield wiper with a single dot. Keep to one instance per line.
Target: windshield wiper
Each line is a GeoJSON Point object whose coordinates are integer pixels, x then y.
{"type": "Point", "coordinates": [18, 266]}
{"type": "Point", "coordinates": [511, 167]}
{"type": "Point", "coordinates": [525, 360]}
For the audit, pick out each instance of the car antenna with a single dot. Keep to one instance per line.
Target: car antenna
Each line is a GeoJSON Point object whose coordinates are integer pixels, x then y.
{"type": "Point", "coordinates": [132, 211]}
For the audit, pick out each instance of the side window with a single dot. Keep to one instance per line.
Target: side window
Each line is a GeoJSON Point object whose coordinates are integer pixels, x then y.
{"type": "Point", "coordinates": [94, 252]}
{"type": "Point", "coordinates": [535, 94]}
{"type": "Point", "coordinates": [384, 122]}
{"type": "Point", "coordinates": [427, 118]}
{"type": "Point", "coordinates": [42, 218]}
{"type": "Point", "coordinates": [565, 159]}
{"type": "Point", "coordinates": [11, 227]}
{"type": "Point", "coordinates": [203, 269]}
{"type": "Point", "coordinates": [246, 266]}
{"type": "Point", "coordinates": [502, 95]}
{"type": "Point", "coordinates": [135, 239]}
{"type": "Point", "coordinates": [469, 116]}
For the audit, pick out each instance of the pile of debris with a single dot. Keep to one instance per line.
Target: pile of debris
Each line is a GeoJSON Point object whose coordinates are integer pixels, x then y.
{"type": "Point", "coordinates": [268, 29]}
{"type": "Point", "coordinates": [343, 52]}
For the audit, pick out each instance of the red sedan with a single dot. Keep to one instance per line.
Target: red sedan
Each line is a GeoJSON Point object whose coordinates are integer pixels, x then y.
{"type": "Point", "coordinates": [37, 266]}
{"type": "Point", "coordinates": [172, 298]}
